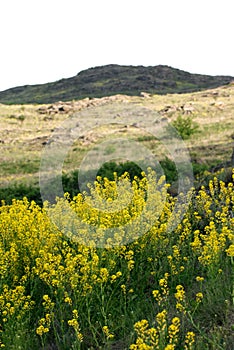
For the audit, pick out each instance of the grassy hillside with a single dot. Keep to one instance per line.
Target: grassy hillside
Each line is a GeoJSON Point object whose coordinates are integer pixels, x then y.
{"type": "Point", "coordinates": [113, 79]}
{"type": "Point", "coordinates": [26, 129]}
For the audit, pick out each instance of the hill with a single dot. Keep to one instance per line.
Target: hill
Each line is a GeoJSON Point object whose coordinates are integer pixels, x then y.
{"type": "Point", "coordinates": [114, 79]}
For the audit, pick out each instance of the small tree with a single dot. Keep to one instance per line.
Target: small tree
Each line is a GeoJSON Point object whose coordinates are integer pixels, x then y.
{"type": "Point", "coordinates": [21, 118]}
{"type": "Point", "coordinates": [185, 126]}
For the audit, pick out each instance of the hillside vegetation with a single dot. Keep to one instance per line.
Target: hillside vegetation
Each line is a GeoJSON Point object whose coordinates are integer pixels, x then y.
{"type": "Point", "coordinates": [150, 271]}
{"type": "Point", "coordinates": [26, 129]}
{"type": "Point", "coordinates": [114, 79]}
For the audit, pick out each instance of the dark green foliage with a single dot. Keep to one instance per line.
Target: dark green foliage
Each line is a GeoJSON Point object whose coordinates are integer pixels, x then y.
{"type": "Point", "coordinates": [109, 168]}
{"type": "Point", "coordinates": [146, 138]}
{"type": "Point", "coordinates": [199, 169]}
{"type": "Point", "coordinates": [70, 180]}
{"type": "Point", "coordinates": [70, 183]}
{"type": "Point", "coordinates": [18, 191]}
{"type": "Point", "coordinates": [169, 169]}
{"type": "Point", "coordinates": [20, 117]}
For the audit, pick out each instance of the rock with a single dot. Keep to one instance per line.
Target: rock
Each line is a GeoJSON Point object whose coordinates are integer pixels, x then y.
{"type": "Point", "coordinates": [42, 110]}
{"type": "Point", "coordinates": [135, 125]}
{"type": "Point", "coordinates": [145, 94]}
{"type": "Point", "coordinates": [188, 109]}
{"type": "Point", "coordinates": [168, 109]}
{"type": "Point", "coordinates": [219, 105]}
{"type": "Point", "coordinates": [73, 106]}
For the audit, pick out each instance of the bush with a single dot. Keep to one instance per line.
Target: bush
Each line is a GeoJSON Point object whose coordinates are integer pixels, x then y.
{"type": "Point", "coordinates": [69, 181]}
{"type": "Point", "coordinates": [185, 126]}
{"type": "Point", "coordinates": [107, 170]}
{"type": "Point", "coordinates": [169, 169]}
{"type": "Point", "coordinates": [19, 191]}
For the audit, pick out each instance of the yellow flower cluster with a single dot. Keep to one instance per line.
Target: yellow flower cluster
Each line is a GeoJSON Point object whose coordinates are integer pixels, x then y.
{"type": "Point", "coordinates": [75, 324]}
{"type": "Point", "coordinates": [44, 325]}
{"type": "Point", "coordinates": [51, 274]}
{"type": "Point", "coordinates": [217, 236]}
{"type": "Point", "coordinates": [199, 297]}
{"type": "Point", "coordinates": [163, 336]}
{"type": "Point", "coordinates": [107, 333]}
{"type": "Point", "coordinates": [119, 206]}
{"type": "Point", "coordinates": [162, 295]}
{"type": "Point", "coordinates": [14, 303]}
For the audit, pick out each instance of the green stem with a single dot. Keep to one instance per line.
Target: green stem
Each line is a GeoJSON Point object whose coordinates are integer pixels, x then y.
{"type": "Point", "coordinates": [92, 328]}
{"type": "Point", "coordinates": [202, 334]}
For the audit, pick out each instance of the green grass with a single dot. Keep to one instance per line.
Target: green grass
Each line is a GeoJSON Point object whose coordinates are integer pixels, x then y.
{"type": "Point", "coordinates": [20, 167]}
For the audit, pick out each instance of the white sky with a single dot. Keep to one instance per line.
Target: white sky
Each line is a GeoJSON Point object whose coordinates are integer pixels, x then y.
{"type": "Point", "coordinates": [46, 40]}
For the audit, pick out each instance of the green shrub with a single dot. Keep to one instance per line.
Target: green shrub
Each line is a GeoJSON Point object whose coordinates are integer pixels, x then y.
{"type": "Point", "coordinates": [169, 169]}
{"type": "Point", "coordinates": [19, 191]}
{"type": "Point", "coordinates": [69, 182]}
{"type": "Point", "coordinates": [107, 170]}
{"type": "Point", "coordinates": [185, 126]}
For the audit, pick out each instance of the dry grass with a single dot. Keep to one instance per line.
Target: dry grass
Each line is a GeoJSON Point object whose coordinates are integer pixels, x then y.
{"type": "Point", "coordinates": [24, 131]}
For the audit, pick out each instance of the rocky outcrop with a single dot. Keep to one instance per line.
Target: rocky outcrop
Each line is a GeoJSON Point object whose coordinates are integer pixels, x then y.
{"type": "Point", "coordinates": [62, 107]}
{"type": "Point", "coordinates": [184, 109]}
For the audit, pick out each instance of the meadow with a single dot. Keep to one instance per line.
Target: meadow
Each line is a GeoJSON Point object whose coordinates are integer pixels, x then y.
{"type": "Point", "coordinates": [87, 272]}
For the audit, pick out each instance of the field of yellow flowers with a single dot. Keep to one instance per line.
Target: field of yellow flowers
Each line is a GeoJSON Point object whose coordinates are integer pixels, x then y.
{"type": "Point", "coordinates": [161, 290]}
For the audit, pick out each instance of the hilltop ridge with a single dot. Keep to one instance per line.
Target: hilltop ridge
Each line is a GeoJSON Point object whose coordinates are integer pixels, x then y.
{"type": "Point", "coordinates": [114, 79]}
